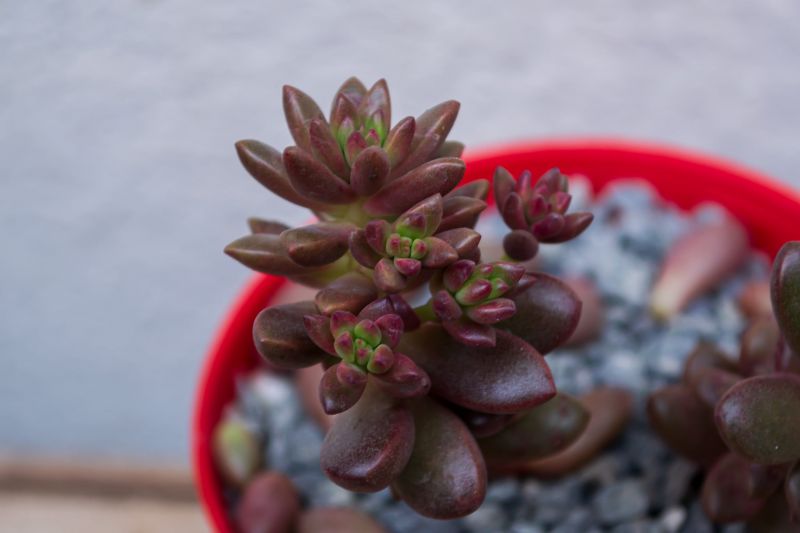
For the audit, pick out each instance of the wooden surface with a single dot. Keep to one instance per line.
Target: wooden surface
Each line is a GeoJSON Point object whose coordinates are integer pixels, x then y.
{"type": "Point", "coordinates": [68, 495]}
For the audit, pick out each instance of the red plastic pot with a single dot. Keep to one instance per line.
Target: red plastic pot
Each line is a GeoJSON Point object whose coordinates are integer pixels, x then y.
{"type": "Point", "coordinates": [769, 210]}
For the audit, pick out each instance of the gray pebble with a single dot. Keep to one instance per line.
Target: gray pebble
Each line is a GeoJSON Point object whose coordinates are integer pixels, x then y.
{"type": "Point", "coordinates": [620, 502]}
{"type": "Point", "coordinates": [672, 519]}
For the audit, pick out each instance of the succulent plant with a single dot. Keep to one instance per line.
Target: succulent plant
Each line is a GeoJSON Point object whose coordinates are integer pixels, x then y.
{"type": "Point", "coordinates": [536, 212]}
{"type": "Point", "coordinates": [424, 397]}
{"type": "Point", "coordinates": [740, 418]}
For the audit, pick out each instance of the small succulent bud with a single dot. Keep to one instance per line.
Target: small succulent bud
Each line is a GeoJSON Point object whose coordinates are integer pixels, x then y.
{"type": "Point", "coordinates": [399, 252]}
{"type": "Point", "coordinates": [468, 299]}
{"type": "Point", "coordinates": [538, 210]}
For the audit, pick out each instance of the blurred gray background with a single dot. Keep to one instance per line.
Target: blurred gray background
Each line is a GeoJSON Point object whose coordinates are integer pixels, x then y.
{"type": "Point", "coordinates": [120, 185]}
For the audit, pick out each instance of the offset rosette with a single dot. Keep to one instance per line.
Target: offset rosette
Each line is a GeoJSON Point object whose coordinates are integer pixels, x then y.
{"type": "Point", "coordinates": [366, 347]}
{"type": "Point", "coordinates": [468, 299]}
{"type": "Point", "coordinates": [536, 212]}
{"type": "Point", "coordinates": [399, 252]}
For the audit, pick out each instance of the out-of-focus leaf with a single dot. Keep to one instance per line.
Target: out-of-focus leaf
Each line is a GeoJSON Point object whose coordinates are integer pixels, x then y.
{"type": "Point", "coordinates": [592, 317]}
{"type": "Point", "coordinates": [696, 263]}
{"type": "Point", "coordinates": [541, 432]}
{"type": "Point", "coordinates": [685, 423]}
{"type": "Point", "coordinates": [759, 346]}
{"type": "Point", "coordinates": [609, 410]}
{"type": "Point", "coordinates": [726, 496]}
{"type": "Point", "coordinates": [785, 292]}
{"type": "Point", "coordinates": [758, 418]}
{"type": "Point", "coordinates": [269, 503]}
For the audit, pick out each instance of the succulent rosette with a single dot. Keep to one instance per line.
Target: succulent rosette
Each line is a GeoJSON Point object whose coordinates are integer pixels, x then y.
{"type": "Point", "coordinates": [740, 419]}
{"type": "Point", "coordinates": [536, 212]}
{"type": "Point", "coordinates": [426, 399]}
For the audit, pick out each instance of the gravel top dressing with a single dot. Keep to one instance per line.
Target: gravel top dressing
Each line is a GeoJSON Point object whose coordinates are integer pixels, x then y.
{"type": "Point", "coordinates": [636, 484]}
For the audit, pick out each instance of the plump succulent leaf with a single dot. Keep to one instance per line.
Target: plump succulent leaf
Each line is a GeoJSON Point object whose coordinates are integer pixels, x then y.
{"type": "Point", "coordinates": [541, 432]}
{"type": "Point", "coordinates": [508, 378]}
{"type": "Point", "coordinates": [470, 333]}
{"type": "Point", "coordinates": [300, 109]}
{"type": "Point", "coordinates": [351, 292]}
{"type": "Point", "coordinates": [369, 444]}
{"type": "Point", "coordinates": [263, 252]}
{"type": "Point", "coordinates": [265, 164]}
{"type": "Point", "coordinates": [462, 240]}
{"type": "Point", "coordinates": [398, 142]}
{"type": "Point", "coordinates": [341, 387]}
{"type": "Point", "coordinates": [685, 423]}
{"type": "Point", "coordinates": [610, 410]}
{"type": "Point", "coordinates": [270, 227]}
{"type": "Point", "coordinates": [758, 418]}
{"type": "Point", "coordinates": [450, 149]}
{"type": "Point", "coordinates": [393, 304]}
{"type": "Point", "coordinates": [437, 176]}
{"type": "Point", "coordinates": [314, 180]}
{"type": "Point", "coordinates": [445, 477]}
{"type": "Point", "coordinates": [726, 494]}
{"type": "Point", "coordinates": [370, 171]}
{"type": "Point", "coordinates": [404, 379]}
{"type": "Point", "coordinates": [785, 292]}
{"type": "Point", "coordinates": [697, 262]}
{"type": "Point", "coordinates": [476, 189]}
{"type": "Point", "coordinates": [547, 312]}
{"type": "Point", "coordinates": [432, 128]}
{"type": "Point", "coordinates": [317, 244]}
{"type": "Point", "coordinates": [280, 336]}
{"type": "Point", "coordinates": [460, 211]}
{"type": "Point", "coordinates": [327, 149]}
